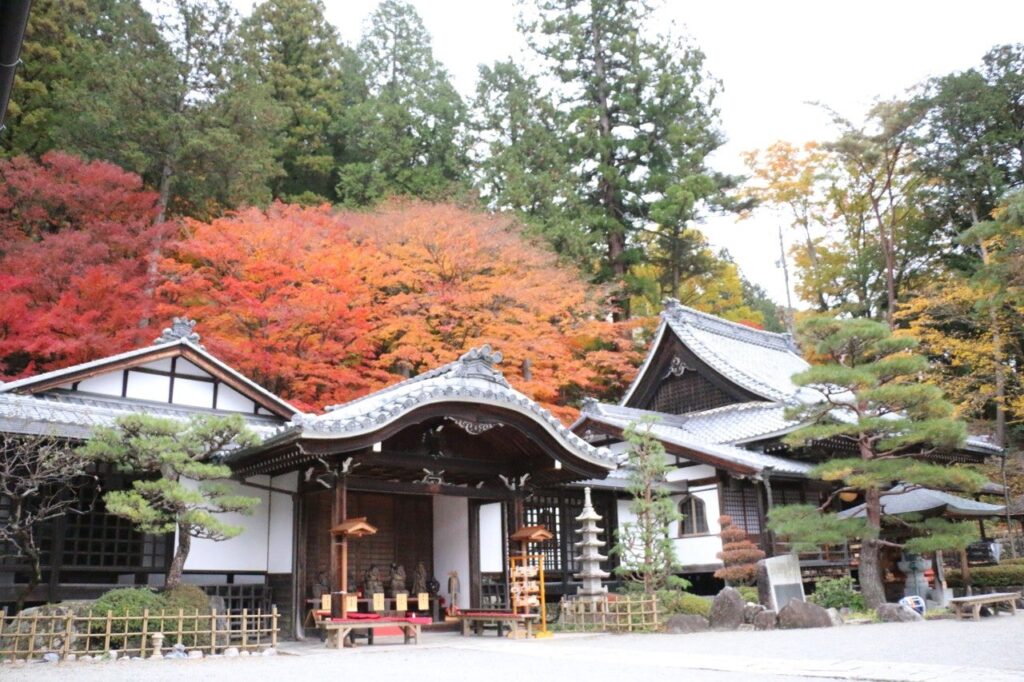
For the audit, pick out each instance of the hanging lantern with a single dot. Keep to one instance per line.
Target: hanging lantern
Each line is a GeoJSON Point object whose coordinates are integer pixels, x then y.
{"type": "Point", "coordinates": [848, 496]}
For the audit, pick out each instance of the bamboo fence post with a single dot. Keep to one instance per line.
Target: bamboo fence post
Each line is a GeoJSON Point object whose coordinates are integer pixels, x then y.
{"type": "Point", "coordinates": [259, 626]}
{"type": "Point", "coordinates": [273, 625]}
{"type": "Point", "coordinates": [213, 631]}
{"type": "Point", "coordinates": [106, 636]}
{"type": "Point", "coordinates": [67, 635]}
{"type": "Point", "coordinates": [31, 639]}
{"type": "Point", "coordinates": [181, 624]}
{"type": "Point", "coordinates": [245, 618]}
{"type": "Point", "coordinates": [145, 631]}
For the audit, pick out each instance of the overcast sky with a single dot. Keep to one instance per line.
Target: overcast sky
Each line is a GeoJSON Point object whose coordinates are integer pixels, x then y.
{"type": "Point", "coordinates": [772, 57]}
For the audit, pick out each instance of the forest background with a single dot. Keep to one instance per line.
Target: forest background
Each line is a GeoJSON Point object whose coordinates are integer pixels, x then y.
{"type": "Point", "coordinates": [337, 215]}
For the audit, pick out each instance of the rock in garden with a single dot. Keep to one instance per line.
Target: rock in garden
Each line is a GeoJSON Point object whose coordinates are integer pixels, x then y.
{"type": "Point", "coordinates": [897, 613]}
{"type": "Point", "coordinates": [231, 652]}
{"type": "Point", "coordinates": [685, 623]}
{"type": "Point", "coordinates": [243, 653]}
{"type": "Point", "coordinates": [765, 620]}
{"type": "Point", "coordinates": [112, 654]}
{"type": "Point", "coordinates": [727, 610]}
{"type": "Point", "coordinates": [803, 614]}
{"type": "Point", "coordinates": [71, 658]}
{"type": "Point", "coordinates": [270, 652]}
{"type": "Point", "coordinates": [751, 610]}
{"type": "Point", "coordinates": [195, 653]}
{"type": "Point", "coordinates": [833, 614]}
{"type": "Point", "coordinates": [51, 658]}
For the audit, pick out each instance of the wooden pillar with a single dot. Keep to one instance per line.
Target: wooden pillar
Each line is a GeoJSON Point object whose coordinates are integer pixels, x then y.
{"type": "Point", "coordinates": [965, 573]}
{"type": "Point", "coordinates": [56, 559]}
{"type": "Point", "coordinates": [339, 512]}
{"type": "Point", "coordinates": [506, 552]}
{"type": "Point", "coordinates": [299, 567]}
{"type": "Point", "coordinates": [473, 508]}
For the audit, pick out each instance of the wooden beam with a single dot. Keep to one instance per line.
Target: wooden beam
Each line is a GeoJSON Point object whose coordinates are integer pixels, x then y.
{"type": "Point", "coordinates": [399, 488]}
{"type": "Point", "coordinates": [417, 462]}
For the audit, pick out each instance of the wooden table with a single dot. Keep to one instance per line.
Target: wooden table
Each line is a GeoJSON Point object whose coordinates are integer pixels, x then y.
{"type": "Point", "coordinates": [970, 607]}
{"type": "Point", "coordinates": [516, 622]}
{"type": "Point", "coordinates": [338, 629]}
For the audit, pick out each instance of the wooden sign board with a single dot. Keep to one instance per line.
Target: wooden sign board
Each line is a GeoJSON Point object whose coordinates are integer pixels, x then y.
{"type": "Point", "coordinates": [378, 601]}
{"type": "Point", "coordinates": [401, 602]}
{"type": "Point", "coordinates": [423, 601]}
{"type": "Point", "coordinates": [325, 602]}
{"type": "Point", "coordinates": [351, 603]}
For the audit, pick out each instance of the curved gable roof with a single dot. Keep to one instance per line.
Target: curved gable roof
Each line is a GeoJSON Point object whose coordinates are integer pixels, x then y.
{"type": "Point", "coordinates": [758, 361]}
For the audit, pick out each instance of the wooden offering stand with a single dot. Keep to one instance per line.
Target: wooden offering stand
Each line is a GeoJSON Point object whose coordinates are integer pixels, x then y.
{"type": "Point", "coordinates": [526, 576]}
{"type": "Point", "coordinates": [350, 528]}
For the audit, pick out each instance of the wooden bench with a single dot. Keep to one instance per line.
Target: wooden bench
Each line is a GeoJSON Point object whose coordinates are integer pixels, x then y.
{"type": "Point", "coordinates": [337, 629]}
{"type": "Point", "coordinates": [970, 607]}
{"type": "Point", "coordinates": [516, 622]}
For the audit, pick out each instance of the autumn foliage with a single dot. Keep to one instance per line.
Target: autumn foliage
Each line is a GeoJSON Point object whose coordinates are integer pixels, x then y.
{"type": "Point", "coordinates": [739, 555]}
{"type": "Point", "coordinates": [76, 240]}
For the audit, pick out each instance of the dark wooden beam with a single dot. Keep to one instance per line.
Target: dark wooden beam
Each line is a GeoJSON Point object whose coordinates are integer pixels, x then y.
{"type": "Point", "coordinates": [400, 488]}
{"type": "Point", "coordinates": [417, 462]}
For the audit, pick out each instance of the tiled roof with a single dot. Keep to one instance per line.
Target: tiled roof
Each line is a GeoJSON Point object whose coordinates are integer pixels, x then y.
{"type": "Point", "coordinates": [731, 424]}
{"type": "Point", "coordinates": [910, 500]}
{"type": "Point", "coordinates": [70, 416]}
{"type": "Point", "coordinates": [676, 430]}
{"type": "Point", "coordinates": [472, 378]}
{"type": "Point", "coordinates": [759, 361]}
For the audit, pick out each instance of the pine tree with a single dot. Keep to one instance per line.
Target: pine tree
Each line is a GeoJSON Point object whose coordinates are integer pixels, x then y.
{"type": "Point", "coordinates": [180, 484]}
{"type": "Point", "coordinates": [872, 400]}
{"type": "Point", "coordinates": [646, 555]}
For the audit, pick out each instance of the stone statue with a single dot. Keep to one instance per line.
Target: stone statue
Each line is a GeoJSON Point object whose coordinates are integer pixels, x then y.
{"type": "Point", "coordinates": [397, 579]}
{"type": "Point", "coordinates": [419, 578]}
{"type": "Point", "coordinates": [371, 581]}
{"type": "Point", "coordinates": [454, 587]}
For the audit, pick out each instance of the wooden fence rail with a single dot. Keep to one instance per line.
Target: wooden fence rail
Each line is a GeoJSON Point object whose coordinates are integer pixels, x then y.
{"type": "Point", "coordinates": [614, 613]}
{"type": "Point", "coordinates": [143, 634]}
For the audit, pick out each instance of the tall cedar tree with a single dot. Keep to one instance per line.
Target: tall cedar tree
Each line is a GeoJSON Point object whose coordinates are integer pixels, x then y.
{"type": "Point", "coordinates": [872, 398]}
{"type": "Point", "coordinates": [638, 121]}
{"type": "Point", "coordinates": [646, 555]}
{"type": "Point", "coordinates": [180, 485]}
{"type": "Point", "coordinates": [42, 479]}
{"type": "Point", "coordinates": [739, 555]}
{"type": "Point", "coordinates": [408, 137]}
{"type": "Point", "coordinates": [75, 240]}
{"type": "Point", "coordinates": [315, 79]}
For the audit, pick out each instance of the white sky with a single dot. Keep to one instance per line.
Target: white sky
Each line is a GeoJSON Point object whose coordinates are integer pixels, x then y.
{"type": "Point", "coordinates": [772, 57]}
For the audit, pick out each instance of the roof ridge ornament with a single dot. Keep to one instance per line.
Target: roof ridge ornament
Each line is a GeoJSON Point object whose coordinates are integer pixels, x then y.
{"type": "Point", "coordinates": [181, 328]}
{"type": "Point", "coordinates": [479, 363]}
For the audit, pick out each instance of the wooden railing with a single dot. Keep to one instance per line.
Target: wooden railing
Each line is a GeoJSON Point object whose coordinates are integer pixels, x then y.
{"type": "Point", "coordinates": [145, 635]}
{"type": "Point", "coordinates": [829, 555]}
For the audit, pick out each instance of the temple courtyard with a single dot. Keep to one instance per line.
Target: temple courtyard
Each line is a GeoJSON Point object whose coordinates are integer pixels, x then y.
{"type": "Point", "coordinates": [930, 651]}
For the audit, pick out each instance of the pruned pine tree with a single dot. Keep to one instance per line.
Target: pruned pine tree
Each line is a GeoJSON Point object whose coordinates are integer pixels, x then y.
{"type": "Point", "coordinates": [739, 555]}
{"type": "Point", "coordinates": [872, 399]}
{"type": "Point", "coordinates": [647, 558]}
{"type": "Point", "coordinates": [180, 485]}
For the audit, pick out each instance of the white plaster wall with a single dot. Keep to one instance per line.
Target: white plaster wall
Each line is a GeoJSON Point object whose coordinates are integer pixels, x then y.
{"type": "Point", "coordinates": [696, 550]}
{"type": "Point", "coordinates": [691, 473]}
{"type": "Point", "coordinates": [244, 552]}
{"type": "Point", "coordinates": [491, 560]}
{"type": "Point", "coordinates": [280, 543]}
{"type": "Point", "coordinates": [451, 544]}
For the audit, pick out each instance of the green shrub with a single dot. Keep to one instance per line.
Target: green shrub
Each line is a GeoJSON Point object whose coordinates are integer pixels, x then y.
{"type": "Point", "coordinates": [671, 602]}
{"type": "Point", "coordinates": [189, 599]}
{"type": "Point", "coordinates": [749, 593]}
{"type": "Point", "coordinates": [129, 601]}
{"type": "Point", "coordinates": [1003, 575]}
{"type": "Point", "coordinates": [837, 593]}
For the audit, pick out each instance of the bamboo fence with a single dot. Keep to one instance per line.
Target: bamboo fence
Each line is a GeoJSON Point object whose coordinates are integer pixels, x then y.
{"type": "Point", "coordinates": [145, 635]}
{"type": "Point", "coordinates": [613, 613]}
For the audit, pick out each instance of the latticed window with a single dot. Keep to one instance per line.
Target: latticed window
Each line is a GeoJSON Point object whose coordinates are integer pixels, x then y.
{"type": "Point", "coordinates": [695, 517]}
{"type": "Point", "coordinates": [739, 500]}
{"type": "Point", "coordinates": [689, 392]}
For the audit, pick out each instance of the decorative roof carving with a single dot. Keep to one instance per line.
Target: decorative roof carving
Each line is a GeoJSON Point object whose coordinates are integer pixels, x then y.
{"type": "Point", "coordinates": [479, 363]}
{"type": "Point", "coordinates": [181, 328]}
{"type": "Point", "coordinates": [473, 428]}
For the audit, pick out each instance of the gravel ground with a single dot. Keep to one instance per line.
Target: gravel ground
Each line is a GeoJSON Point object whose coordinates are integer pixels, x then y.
{"type": "Point", "coordinates": [920, 651]}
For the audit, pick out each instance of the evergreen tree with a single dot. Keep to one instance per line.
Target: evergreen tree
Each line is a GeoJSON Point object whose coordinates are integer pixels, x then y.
{"type": "Point", "coordinates": [873, 400]}
{"type": "Point", "coordinates": [180, 482]}
{"type": "Point", "coordinates": [638, 122]}
{"type": "Point", "coordinates": [292, 48]}
{"type": "Point", "coordinates": [407, 138]}
{"type": "Point", "coordinates": [739, 555]}
{"type": "Point", "coordinates": [646, 555]}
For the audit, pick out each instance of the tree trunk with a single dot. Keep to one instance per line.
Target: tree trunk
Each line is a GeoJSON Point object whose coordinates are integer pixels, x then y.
{"type": "Point", "coordinates": [870, 567]}
{"type": "Point", "coordinates": [36, 577]}
{"type": "Point", "coordinates": [180, 556]}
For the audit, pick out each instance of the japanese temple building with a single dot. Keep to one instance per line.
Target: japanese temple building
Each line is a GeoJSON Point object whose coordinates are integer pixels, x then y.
{"type": "Point", "coordinates": [444, 465]}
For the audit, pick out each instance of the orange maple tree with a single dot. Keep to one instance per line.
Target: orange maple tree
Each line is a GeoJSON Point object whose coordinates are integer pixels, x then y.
{"type": "Point", "coordinates": [277, 298]}
{"type": "Point", "coordinates": [76, 242]}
